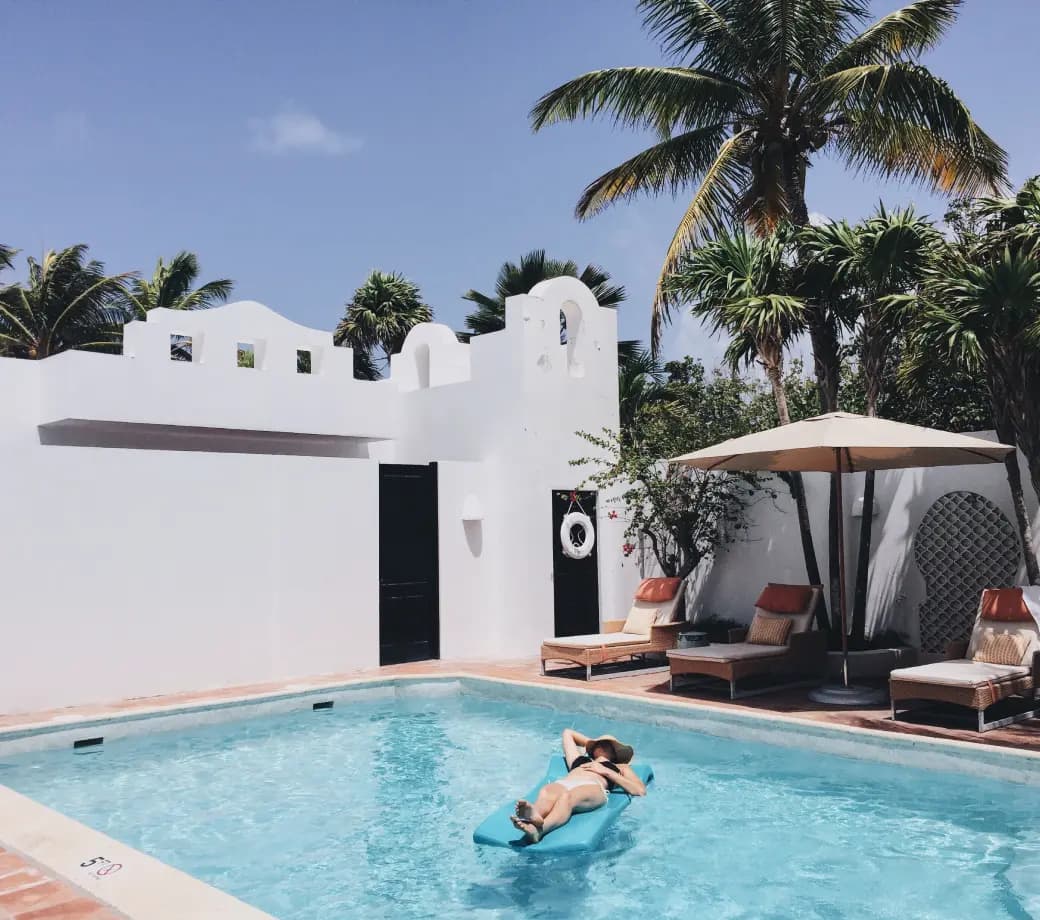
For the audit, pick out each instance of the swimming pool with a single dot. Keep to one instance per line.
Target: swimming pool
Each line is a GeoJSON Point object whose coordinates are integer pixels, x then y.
{"type": "Point", "coordinates": [366, 810]}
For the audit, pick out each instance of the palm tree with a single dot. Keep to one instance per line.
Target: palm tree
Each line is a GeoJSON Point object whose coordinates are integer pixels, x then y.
{"type": "Point", "coordinates": [67, 302]}
{"type": "Point", "coordinates": [874, 262]}
{"type": "Point", "coordinates": [741, 285]}
{"type": "Point", "coordinates": [756, 90]}
{"type": "Point", "coordinates": [7, 255]}
{"type": "Point", "coordinates": [514, 279]}
{"type": "Point", "coordinates": [640, 382]}
{"type": "Point", "coordinates": [172, 286]}
{"type": "Point", "coordinates": [380, 315]}
{"type": "Point", "coordinates": [980, 311]}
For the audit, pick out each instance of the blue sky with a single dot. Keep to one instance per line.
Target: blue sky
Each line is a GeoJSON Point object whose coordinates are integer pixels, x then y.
{"type": "Point", "coordinates": [296, 146]}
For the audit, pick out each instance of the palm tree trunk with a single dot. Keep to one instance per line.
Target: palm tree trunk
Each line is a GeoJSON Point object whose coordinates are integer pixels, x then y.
{"type": "Point", "coordinates": [812, 567]}
{"type": "Point", "coordinates": [1006, 434]}
{"type": "Point", "coordinates": [872, 368]}
{"type": "Point", "coordinates": [1006, 407]}
{"type": "Point", "coordinates": [858, 627]}
{"type": "Point", "coordinates": [823, 335]}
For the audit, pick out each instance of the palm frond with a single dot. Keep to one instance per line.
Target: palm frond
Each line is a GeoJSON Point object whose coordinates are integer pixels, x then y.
{"type": "Point", "coordinates": [709, 209]}
{"type": "Point", "coordinates": [902, 34]}
{"type": "Point", "coordinates": [698, 30]}
{"type": "Point", "coordinates": [665, 167]}
{"type": "Point", "coordinates": [900, 120]}
{"type": "Point", "coordinates": [208, 295]}
{"type": "Point", "coordinates": [659, 98]}
{"type": "Point", "coordinates": [518, 278]}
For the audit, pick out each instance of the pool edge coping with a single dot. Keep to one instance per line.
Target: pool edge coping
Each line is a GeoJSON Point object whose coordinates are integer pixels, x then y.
{"type": "Point", "coordinates": [292, 691]}
{"type": "Point", "coordinates": [144, 888]}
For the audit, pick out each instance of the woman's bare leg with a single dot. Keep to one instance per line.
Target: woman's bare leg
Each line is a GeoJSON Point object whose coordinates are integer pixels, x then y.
{"type": "Point", "coordinates": [569, 802]}
{"type": "Point", "coordinates": [543, 804]}
{"type": "Point", "coordinates": [574, 801]}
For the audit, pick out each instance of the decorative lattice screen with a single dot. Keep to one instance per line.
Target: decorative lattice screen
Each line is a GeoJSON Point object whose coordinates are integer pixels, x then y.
{"type": "Point", "coordinates": [964, 544]}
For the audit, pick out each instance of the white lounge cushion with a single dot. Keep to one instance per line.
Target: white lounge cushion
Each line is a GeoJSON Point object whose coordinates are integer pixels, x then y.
{"type": "Point", "coordinates": [728, 651]}
{"type": "Point", "coordinates": [959, 673]}
{"type": "Point", "coordinates": [663, 611]}
{"type": "Point", "coordinates": [596, 640]}
{"type": "Point", "coordinates": [640, 620]}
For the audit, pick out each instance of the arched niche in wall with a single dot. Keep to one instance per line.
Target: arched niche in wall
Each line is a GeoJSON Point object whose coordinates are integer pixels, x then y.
{"type": "Point", "coordinates": [571, 333]}
{"type": "Point", "coordinates": [963, 544]}
{"type": "Point", "coordinates": [421, 356]}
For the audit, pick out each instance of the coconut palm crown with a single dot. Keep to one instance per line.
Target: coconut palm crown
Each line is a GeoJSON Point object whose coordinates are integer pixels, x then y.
{"type": "Point", "coordinates": [518, 278]}
{"type": "Point", "coordinates": [172, 286]}
{"type": "Point", "coordinates": [756, 90]}
{"type": "Point", "coordinates": [380, 315]}
{"type": "Point", "coordinates": [67, 302]}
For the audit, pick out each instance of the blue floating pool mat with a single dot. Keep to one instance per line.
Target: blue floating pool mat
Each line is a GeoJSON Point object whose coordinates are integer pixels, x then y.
{"type": "Point", "coordinates": [582, 833]}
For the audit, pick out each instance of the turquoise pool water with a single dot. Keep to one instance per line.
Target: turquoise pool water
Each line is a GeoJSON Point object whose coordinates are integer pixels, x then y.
{"type": "Point", "coordinates": [366, 811]}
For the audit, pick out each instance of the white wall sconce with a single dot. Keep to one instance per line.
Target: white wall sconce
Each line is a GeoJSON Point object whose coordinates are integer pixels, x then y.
{"type": "Point", "coordinates": [857, 507]}
{"type": "Point", "coordinates": [471, 509]}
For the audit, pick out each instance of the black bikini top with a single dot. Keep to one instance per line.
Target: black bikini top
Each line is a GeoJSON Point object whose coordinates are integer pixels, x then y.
{"type": "Point", "coordinates": [583, 759]}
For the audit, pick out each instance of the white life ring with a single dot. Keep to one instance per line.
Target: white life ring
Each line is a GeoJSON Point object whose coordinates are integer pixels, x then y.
{"type": "Point", "coordinates": [570, 548]}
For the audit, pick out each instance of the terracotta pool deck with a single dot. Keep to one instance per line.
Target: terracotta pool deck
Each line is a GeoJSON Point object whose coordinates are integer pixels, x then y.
{"type": "Point", "coordinates": [30, 891]}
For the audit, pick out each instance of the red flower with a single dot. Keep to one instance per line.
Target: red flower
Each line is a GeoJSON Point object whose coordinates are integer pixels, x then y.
{"type": "Point", "coordinates": [612, 515]}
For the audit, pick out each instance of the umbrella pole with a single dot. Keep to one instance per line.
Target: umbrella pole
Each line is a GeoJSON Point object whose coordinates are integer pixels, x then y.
{"type": "Point", "coordinates": [842, 596]}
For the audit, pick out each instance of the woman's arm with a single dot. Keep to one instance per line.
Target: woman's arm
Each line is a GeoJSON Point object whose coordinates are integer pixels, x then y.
{"type": "Point", "coordinates": [573, 745]}
{"type": "Point", "coordinates": [625, 778]}
{"type": "Point", "coordinates": [628, 781]}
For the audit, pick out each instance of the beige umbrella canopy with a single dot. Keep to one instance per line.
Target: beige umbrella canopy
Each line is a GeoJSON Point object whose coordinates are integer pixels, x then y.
{"type": "Point", "coordinates": [840, 442]}
{"type": "Point", "coordinates": [846, 443]}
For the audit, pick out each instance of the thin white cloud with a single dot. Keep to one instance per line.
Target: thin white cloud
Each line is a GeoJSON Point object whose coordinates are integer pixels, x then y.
{"type": "Point", "coordinates": [816, 219]}
{"type": "Point", "coordinates": [294, 131]}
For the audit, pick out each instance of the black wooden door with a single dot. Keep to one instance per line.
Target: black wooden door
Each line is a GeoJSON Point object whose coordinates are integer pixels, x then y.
{"type": "Point", "coordinates": [575, 581]}
{"type": "Point", "coordinates": [409, 590]}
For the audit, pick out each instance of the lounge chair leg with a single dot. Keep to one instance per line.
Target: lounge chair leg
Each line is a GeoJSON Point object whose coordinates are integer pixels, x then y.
{"type": "Point", "coordinates": [543, 667]}
{"type": "Point", "coordinates": [732, 689]}
{"type": "Point", "coordinates": [588, 672]}
{"type": "Point", "coordinates": [982, 720]}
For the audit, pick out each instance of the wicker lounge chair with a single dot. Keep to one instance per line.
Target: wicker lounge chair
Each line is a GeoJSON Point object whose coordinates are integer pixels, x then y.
{"type": "Point", "coordinates": [653, 625]}
{"type": "Point", "coordinates": [1000, 693]}
{"type": "Point", "coordinates": [799, 662]}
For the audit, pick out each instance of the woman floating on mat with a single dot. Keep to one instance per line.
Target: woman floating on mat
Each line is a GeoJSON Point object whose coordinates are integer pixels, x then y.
{"type": "Point", "coordinates": [596, 766]}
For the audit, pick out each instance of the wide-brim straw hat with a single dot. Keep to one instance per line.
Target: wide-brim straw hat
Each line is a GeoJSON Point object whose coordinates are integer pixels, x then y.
{"type": "Point", "coordinates": [623, 753]}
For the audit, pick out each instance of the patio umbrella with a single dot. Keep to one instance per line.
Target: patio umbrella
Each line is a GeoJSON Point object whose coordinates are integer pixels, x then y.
{"type": "Point", "coordinates": [840, 442]}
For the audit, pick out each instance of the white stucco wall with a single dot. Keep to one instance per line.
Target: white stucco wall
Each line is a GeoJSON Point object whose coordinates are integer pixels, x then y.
{"type": "Point", "coordinates": [183, 525]}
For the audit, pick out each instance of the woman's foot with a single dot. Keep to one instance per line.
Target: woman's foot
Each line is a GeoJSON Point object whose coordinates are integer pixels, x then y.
{"type": "Point", "coordinates": [525, 812]}
{"type": "Point", "coordinates": [532, 833]}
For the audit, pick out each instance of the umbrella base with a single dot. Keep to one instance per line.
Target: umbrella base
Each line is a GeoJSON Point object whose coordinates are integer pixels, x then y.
{"type": "Point", "coordinates": [837, 695]}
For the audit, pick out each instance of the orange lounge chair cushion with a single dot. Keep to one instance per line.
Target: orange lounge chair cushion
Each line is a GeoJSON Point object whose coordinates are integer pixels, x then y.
{"type": "Point", "coordinates": [656, 590]}
{"type": "Point", "coordinates": [1005, 604]}
{"type": "Point", "coordinates": [784, 598]}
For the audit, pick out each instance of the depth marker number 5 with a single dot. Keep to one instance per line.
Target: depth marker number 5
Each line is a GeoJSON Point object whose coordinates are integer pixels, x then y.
{"type": "Point", "coordinates": [99, 866]}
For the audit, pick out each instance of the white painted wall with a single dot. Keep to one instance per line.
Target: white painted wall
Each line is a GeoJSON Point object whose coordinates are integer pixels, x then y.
{"type": "Point", "coordinates": [173, 526]}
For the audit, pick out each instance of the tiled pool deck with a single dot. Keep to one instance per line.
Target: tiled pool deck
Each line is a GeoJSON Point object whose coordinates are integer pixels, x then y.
{"type": "Point", "coordinates": [30, 891]}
